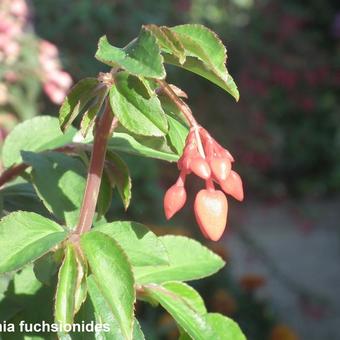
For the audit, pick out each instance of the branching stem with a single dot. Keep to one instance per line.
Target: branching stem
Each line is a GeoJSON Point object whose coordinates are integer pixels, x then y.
{"type": "Point", "coordinates": [102, 132]}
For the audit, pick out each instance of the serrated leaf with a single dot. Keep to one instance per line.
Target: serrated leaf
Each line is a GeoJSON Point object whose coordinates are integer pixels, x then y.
{"type": "Point", "coordinates": [136, 109]}
{"type": "Point", "coordinates": [124, 142]}
{"type": "Point", "coordinates": [94, 108]}
{"type": "Point", "coordinates": [205, 55]}
{"type": "Point", "coordinates": [75, 101]}
{"type": "Point", "coordinates": [180, 301]}
{"type": "Point", "coordinates": [192, 262]}
{"type": "Point", "coordinates": [168, 41]}
{"type": "Point", "coordinates": [66, 288]}
{"type": "Point", "coordinates": [36, 134]}
{"type": "Point", "coordinates": [60, 182]}
{"type": "Point", "coordinates": [119, 175]}
{"type": "Point", "coordinates": [140, 57]}
{"type": "Point", "coordinates": [25, 236]}
{"type": "Point", "coordinates": [81, 286]}
{"type": "Point", "coordinates": [140, 244]}
{"type": "Point", "coordinates": [224, 327]}
{"type": "Point", "coordinates": [111, 269]}
{"type": "Point", "coordinates": [105, 315]}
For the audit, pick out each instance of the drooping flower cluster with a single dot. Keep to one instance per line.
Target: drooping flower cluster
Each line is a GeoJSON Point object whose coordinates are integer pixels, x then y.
{"type": "Point", "coordinates": [207, 159]}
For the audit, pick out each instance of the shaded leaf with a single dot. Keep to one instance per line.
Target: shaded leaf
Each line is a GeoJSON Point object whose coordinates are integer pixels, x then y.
{"type": "Point", "coordinates": [126, 143]}
{"type": "Point", "coordinates": [94, 108]}
{"type": "Point", "coordinates": [105, 195]}
{"type": "Point", "coordinates": [47, 266]}
{"type": "Point", "coordinates": [25, 236]}
{"type": "Point", "coordinates": [60, 182]}
{"type": "Point", "coordinates": [119, 175]}
{"type": "Point", "coordinates": [75, 101]}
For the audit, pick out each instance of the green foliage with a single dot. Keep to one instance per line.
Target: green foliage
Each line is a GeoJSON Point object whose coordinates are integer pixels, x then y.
{"type": "Point", "coordinates": [78, 97]}
{"type": "Point", "coordinates": [36, 134]}
{"type": "Point", "coordinates": [119, 176]}
{"type": "Point", "coordinates": [142, 146]}
{"type": "Point", "coordinates": [192, 262]}
{"type": "Point", "coordinates": [137, 109]}
{"type": "Point", "coordinates": [111, 268]}
{"type": "Point", "coordinates": [141, 57]}
{"type": "Point", "coordinates": [225, 328]}
{"type": "Point", "coordinates": [59, 181]}
{"type": "Point", "coordinates": [66, 288]}
{"type": "Point", "coordinates": [180, 301]}
{"type": "Point", "coordinates": [103, 270]}
{"type": "Point", "coordinates": [141, 245]}
{"type": "Point", "coordinates": [205, 55]}
{"type": "Point", "coordinates": [25, 236]}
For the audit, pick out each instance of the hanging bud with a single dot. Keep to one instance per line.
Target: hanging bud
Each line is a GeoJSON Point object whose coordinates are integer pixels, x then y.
{"type": "Point", "coordinates": [200, 167]}
{"type": "Point", "coordinates": [211, 209]}
{"type": "Point", "coordinates": [220, 168]}
{"type": "Point", "coordinates": [174, 200]}
{"type": "Point", "coordinates": [233, 186]}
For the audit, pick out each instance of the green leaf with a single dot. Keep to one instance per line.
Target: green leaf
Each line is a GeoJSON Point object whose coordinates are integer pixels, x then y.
{"type": "Point", "coordinates": [22, 196]}
{"type": "Point", "coordinates": [105, 196]}
{"type": "Point", "coordinates": [205, 55]}
{"type": "Point", "coordinates": [47, 266]}
{"type": "Point", "coordinates": [25, 236]}
{"type": "Point", "coordinates": [80, 94]}
{"type": "Point", "coordinates": [188, 260]}
{"type": "Point", "coordinates": [181, 302]}
{"type": "Point", "coordinates": [36, 134]}
{"type": "Point", "coordinates": [81, 287]}
{"type": "Point", "coordinates": [224, 327]}
{"type": "Point", "coordinates": [140, 57]}
{"type": "Point", "coordinates": [105, 315]}
{"type": "Point", "coordinates": [113, 275]}
{"type": "Point", "coordinates": [94, 108]}
{"type": "Point", "coordinates": [60, 183]}
{"type": "Point", "coordinates": [126, 143]}
{"type": "Point", "coordinates": [66, 288]}
{"type": "Point", "coordinates": [168, 41]}
{"type": "Point", "coordinates": [177, 134]}
{"type": "Point", "coordinates": [140, 244]}
{"type": "Point", "coordinates": [119, 175]}
{"type": "Point", "coordinates": [136, 109]}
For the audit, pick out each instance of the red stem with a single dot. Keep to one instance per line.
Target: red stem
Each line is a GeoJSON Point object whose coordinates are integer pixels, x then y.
{"type": "Point", "coordinates": [184, 108]}
{"type": "Point", "coordinates": [102, 133]}
{"type": "Point", "coordinates": [9, 174]}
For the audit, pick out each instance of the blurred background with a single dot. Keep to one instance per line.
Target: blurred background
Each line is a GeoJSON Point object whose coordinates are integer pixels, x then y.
{"type": "Point", "coordinates": [282, 246]}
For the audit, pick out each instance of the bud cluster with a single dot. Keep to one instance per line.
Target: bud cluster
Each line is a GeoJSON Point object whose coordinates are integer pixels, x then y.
{"type": "Point", "coordinates": [207, 159]}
